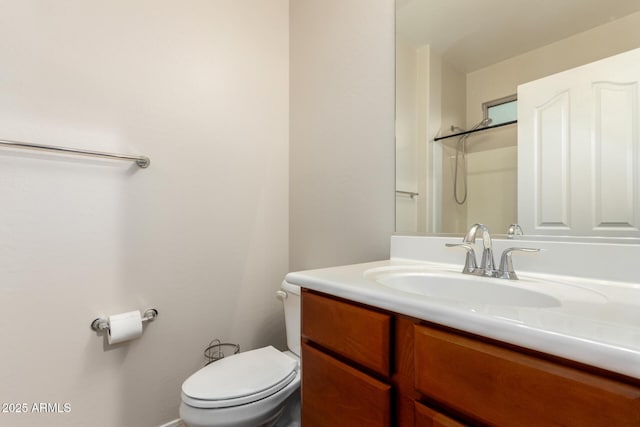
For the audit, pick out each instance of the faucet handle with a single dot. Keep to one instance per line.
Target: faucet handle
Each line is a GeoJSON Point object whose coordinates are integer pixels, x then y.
{"type": "Point", "coordinates": [506, 270]}
{"type": "Point", "coordinates": [470, 261]}
{"type": "Point", "coordinates": [514, 230]}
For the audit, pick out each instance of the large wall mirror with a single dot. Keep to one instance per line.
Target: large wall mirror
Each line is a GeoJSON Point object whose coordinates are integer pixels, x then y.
{"type": "Point", "coordinates": [458, 59]}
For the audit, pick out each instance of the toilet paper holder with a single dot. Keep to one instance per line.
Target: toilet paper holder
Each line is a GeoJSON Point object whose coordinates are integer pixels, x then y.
{"type": "Point", "coordinates": [100, 324]}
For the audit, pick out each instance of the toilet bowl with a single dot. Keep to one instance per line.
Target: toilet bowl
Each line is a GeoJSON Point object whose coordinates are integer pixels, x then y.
{"type": "Point", "coordinates": [257, 388]}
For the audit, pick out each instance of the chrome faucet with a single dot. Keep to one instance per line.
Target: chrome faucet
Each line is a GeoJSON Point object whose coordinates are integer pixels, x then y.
{"type": "Point", "coordinates": [470, 265]}
{"type": "Point", "coordinates": [506, 270]}
{"type": "Point", "coordinates": [487, 264]}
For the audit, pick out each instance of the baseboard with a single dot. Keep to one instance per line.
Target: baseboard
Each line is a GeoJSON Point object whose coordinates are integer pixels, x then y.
{"type": "Point", "coordinates": [174, 423]}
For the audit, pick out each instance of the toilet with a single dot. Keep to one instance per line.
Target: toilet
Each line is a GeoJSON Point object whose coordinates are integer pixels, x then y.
{"type": "Point", "coordinates": [257, 388]}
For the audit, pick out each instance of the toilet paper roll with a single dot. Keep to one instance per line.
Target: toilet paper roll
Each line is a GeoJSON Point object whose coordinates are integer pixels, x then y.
{"type": "Point", "coordinates": [124, 327]}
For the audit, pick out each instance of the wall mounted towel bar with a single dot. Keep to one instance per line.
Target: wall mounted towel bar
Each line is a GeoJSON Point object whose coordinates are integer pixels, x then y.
{"type": "Point", "coordinates": [411, 194]}
{"type": "Point", "coordinates": [141, 161]}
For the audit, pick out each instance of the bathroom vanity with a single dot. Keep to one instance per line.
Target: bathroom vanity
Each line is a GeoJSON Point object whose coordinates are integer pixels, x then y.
{"type": "Point", "coordinates": [383, 366]}
{"type": "Point", "coordinates": [376, 354]}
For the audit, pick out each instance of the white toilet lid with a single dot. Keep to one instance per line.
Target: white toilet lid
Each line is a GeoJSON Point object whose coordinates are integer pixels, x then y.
{"type": "Point", "coordinates": [239, 379]}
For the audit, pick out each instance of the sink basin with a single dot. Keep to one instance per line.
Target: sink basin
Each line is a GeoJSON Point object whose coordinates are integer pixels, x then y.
{"type": "Point", "coordinates": [465, 289]}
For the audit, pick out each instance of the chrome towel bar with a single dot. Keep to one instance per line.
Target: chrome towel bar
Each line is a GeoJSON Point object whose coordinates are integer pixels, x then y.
{"type": "Point", "coordinates": [141, 161]}
{"type": "Point", "coordinates": [411, 194]}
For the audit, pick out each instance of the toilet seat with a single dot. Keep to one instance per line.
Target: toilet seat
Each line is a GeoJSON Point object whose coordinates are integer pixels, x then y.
{"type": "Point", "coordinates": [239, 379]}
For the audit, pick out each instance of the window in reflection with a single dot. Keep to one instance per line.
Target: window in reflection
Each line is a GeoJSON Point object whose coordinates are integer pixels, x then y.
{"type": "Point", "coordinates": [501, 110]}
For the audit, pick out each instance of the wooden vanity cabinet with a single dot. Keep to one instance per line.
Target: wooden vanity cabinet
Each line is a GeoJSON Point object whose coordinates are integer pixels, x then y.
{"type": "Point", "coordinates": [336, 394]}
{"type": "Point", "coordinates": [366, 367]}
{"type": "Point", "coordinates": [346, 364]}
{"type": "Point", "coordinates": [427, 417]}
{"type": "Point", "coordinates": [357, 365]}
{"type": "Point", "coordinates": [356, 333]}
{"type": "Point", "coordinates": [500, 386]}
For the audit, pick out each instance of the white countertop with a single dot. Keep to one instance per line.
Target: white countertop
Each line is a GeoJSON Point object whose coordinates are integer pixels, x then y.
{"type": "Point", "coordinates": [596, 323]}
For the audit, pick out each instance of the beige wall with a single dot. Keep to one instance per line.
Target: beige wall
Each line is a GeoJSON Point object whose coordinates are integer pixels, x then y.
{"type": "Point", "coordinates": [201, 87]}
{"type": "Point", "coordinates": [428, 121]}
{"type": "Point", "coordinates": [453, 104]}
{"type": "Point", "coordinates": [342, 131]}
{"type": "Point", "coordinates": [502, 79]}
{"type": "Point", "coordinates": [440, 103]}
{"type": "Point", "coordinates": [493, 181]}
{"type": "Point", "coordinates": [406, 136]}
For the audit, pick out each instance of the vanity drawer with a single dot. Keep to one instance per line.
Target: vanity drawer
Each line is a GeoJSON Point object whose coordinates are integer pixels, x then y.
{"type": "Point", "coordinates": [502, 387]}
{"type": "Point", "coordinates": [335, 394]}
{"type": "Point", "coordinates": [427, 417]}
{"type": "Point", "coordinates": [357, 333]}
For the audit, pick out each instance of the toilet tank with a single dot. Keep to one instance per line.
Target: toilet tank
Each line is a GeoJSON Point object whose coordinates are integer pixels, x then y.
{"type": "Point", "coordinates": [291, 301]}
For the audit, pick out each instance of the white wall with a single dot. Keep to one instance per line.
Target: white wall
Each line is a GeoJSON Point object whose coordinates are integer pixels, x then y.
{"type": "Point", "coordinates": [201, 87]}
{"type": "Point", "coordinates": [342, 131]}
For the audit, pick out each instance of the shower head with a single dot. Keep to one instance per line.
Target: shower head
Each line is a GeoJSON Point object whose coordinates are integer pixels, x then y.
{"type": "Point", "coordinates": [482, 123]}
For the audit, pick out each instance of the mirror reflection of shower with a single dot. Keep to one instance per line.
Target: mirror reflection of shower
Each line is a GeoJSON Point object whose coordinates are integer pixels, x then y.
{"type": "Point", "coordinates": [461, 157]}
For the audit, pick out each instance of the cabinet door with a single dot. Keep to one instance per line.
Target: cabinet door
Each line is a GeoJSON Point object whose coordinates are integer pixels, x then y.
{"type": "Point", "coordinates": [427, 417]}
{"type": "Point", "coordinates": [335, 394]}
{"type": "Point", "coordinates": [579, 150]}
{"type": "Point", "coordinates": [505, 388]}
